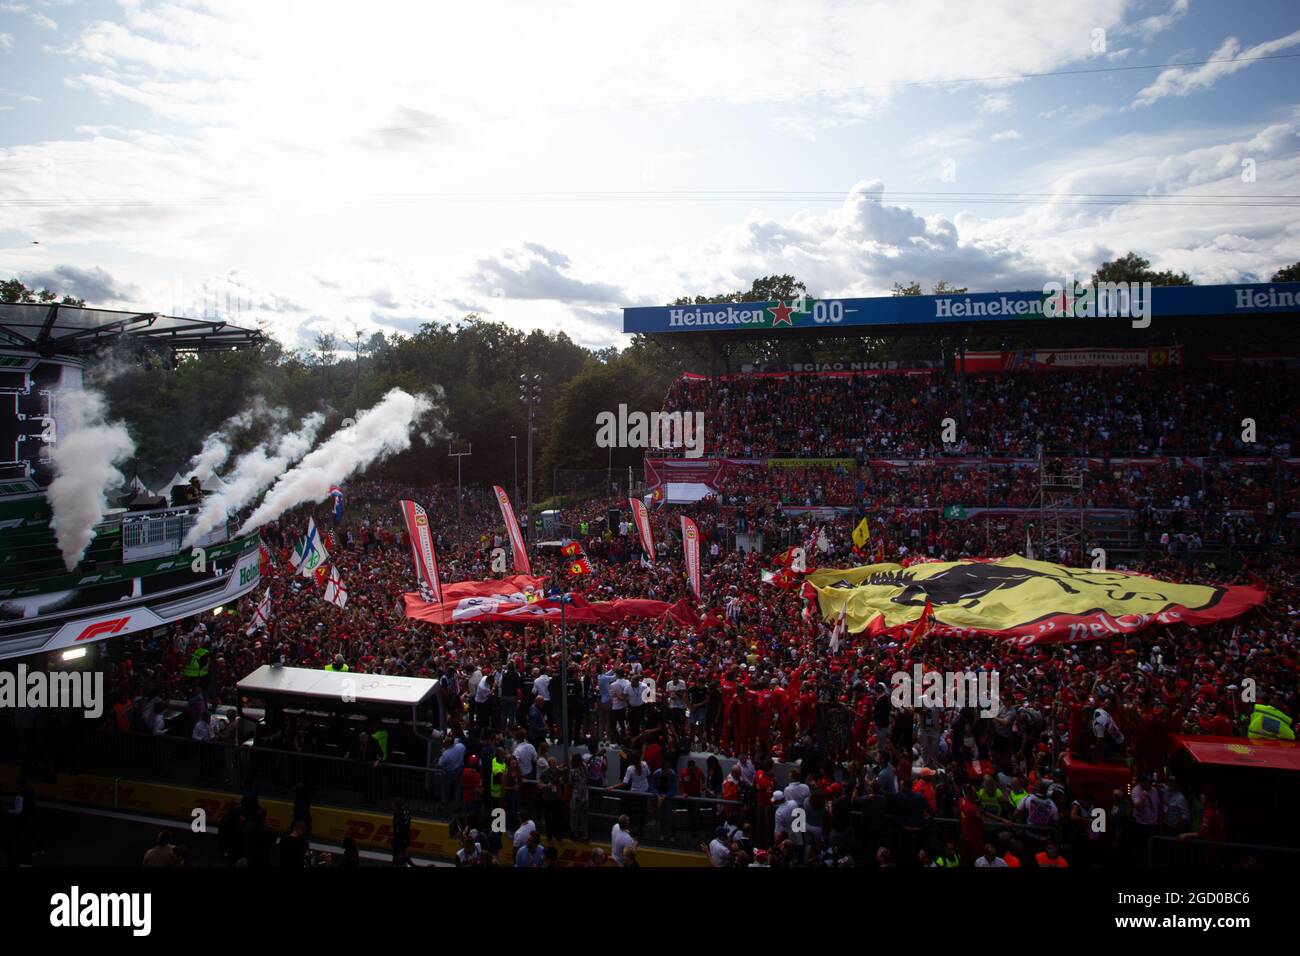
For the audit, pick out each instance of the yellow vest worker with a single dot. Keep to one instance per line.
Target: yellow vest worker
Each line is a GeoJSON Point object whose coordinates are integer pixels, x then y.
{"type": "Point", "coordinates": [199, 663]}
{"type": "Point", "coordinates": [495, 786]}
{"type": "Point", "coordinates": [380, 737]}
{"type": "Point", "coordinates": [1269, 723]}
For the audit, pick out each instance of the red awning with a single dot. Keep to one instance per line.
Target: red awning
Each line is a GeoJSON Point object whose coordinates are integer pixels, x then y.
{"type": "Point", "coordinates": [1241, 752]}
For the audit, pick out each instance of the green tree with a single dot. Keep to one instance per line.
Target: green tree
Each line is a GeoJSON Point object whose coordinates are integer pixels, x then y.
{"type": "Point", "coordinates": [1131, 267]}
{"type": "Point", "coordinates": [1289, 273]}
{"type": "Point", "coordinates": [13, 290]}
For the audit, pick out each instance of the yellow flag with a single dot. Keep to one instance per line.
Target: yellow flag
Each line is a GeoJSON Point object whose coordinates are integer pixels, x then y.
{"type": "Point", "coordinates": [861, 534]}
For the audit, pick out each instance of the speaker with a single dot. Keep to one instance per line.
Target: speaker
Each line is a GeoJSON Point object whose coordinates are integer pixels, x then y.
{"type": "Point", "coordinates": [611, 519]}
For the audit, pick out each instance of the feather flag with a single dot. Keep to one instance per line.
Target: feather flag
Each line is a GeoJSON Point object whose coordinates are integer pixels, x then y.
{"type": "Point", "coordinates": [521, 563]}
{"type": "Point", "coordinates": [422, 550]}
{"type": "Point", "coordinates": [641, 518]}
{"type": "Point", "coordinates": [691, 545]}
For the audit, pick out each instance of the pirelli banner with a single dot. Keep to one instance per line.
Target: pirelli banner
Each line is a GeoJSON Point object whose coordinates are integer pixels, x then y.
{"type": "Point", "coordinates": [1030, 602]}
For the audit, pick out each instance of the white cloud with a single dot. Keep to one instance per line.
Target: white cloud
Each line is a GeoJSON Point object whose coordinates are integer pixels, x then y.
{"type": "Point", "coordinates": [1158, 23]}
{"type": "Point", "coordinates": [44, 22]}
{"type": "Point", "coordinates": [994, 103]}
{"type": "Point", "coordinates": [1226, 60]}
{"type": "Point", "coordinates": [6, 41]}
{"type": "Point", "coordinates": [1005, 135]}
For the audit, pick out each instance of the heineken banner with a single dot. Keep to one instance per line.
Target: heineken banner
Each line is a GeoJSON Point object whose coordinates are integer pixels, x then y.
{"type": "Point", "coordinates": [1031, 602]}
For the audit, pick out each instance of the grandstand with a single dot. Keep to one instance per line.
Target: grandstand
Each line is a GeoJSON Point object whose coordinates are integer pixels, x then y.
{"type": "Point", "coordinates": [888, 407]}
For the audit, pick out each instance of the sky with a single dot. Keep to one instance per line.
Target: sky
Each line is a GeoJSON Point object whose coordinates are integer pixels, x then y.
{"type": "Point", "coordinates": [360, 167]}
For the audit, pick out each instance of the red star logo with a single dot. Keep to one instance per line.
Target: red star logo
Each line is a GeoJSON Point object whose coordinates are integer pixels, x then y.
{"type": "Point", "coordinates": [781, 315]}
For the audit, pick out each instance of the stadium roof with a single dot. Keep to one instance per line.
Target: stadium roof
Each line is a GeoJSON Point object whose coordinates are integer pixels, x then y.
{"type": "Point", "coordinates": [990, 310]}
{"type": "Point", "coordinates": [65, 330]}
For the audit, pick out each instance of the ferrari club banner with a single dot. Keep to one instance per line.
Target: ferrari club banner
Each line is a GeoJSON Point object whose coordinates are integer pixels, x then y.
{"type": "Point", "coordinates": [512, 529]}
{"type": "Point", "coordinates": [426, 561]}
{"type": "Point", "coordinates": [522, 598]}
{"type": "Point", "coordinates": [691, 545]}
{"type": "Point", "coordinates": [1030, 602]}
{"type": "Point", "coordinates": [641, 517]}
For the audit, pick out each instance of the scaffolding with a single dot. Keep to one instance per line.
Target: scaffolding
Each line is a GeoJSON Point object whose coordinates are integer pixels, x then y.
{"type": "Point", "coordinates": [1060, 511]}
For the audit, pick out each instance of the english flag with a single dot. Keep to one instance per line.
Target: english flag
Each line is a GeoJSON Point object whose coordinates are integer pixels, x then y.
{"type": "Point", "coordinates": [335, 592]}
{"type": "Point", "coordinates": [691, 545]}
{"type": "Point", "coordinates": [512, 529]}
{"type": "Point", "coordinates": [422, 551]}
{"type": "Point", "coordinates": [838, 631]}
{"type": "Point", "coordinates": [641, 518]}
{"type": "Point", "coordinates": [262, 615]}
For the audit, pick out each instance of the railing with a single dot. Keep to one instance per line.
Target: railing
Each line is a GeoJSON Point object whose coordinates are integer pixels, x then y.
{"type": "Point", "coordinates": [158, 534]}
{"type": "Point", "coordinates": [1171, 851]}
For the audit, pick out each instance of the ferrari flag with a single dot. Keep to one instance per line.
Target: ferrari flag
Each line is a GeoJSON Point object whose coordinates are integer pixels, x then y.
{"type": "Point", "coordinates": [512, 529]}
{"type": "Point", "coordinates": [691, 544]}
{"type": "Point", "coordinates": [426, 560]}
{"type": "Point", "coordinates": [1030, 602]}
{"type": "Point", "coordinates": [641, 517]}
{"type": "Point", "coordinates": [522, 598]}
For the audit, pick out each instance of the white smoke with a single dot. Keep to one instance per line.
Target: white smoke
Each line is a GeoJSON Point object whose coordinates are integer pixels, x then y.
{"type": "Point", "coordinates": [254, 472]}
{"type": "Point", "coordinates": [216, 447]}
{"type": "Point", "coordinates": [378, 432]}
{"type": "Point", "coordinates": [85, 455]}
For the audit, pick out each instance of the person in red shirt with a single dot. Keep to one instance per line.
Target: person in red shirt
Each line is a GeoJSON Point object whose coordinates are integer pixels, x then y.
{"type": "Point", "coordinates": [471, 783]}
{"type": "Point", "coordinates": [765, 786]}
{"type": "Point", "coordinates": [972, 826]}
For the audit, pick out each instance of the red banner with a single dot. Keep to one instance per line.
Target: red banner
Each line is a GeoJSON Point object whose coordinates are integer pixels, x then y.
{"type": "Point", "coordinates": [641, 517]}
{"type": "Point", "coordinates": [422, 551]}
{"type": "Point", "coordinates": [512, 529]}
{"type": "Point", "coordinates": [521, 599]}
{"type": "Point", "coordinates": [691, 545]}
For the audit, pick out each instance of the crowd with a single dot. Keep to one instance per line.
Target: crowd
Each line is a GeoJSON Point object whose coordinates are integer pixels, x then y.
{"type": "Point", "coordinates": [752, 713]}
{"type": "Point", "coordinates": [755, 737]}
{"type": "Point", "coordinates": [1093, 412]}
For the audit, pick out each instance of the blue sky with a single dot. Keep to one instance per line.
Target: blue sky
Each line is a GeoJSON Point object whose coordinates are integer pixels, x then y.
{"type": "Point", "coordinates": [390, 163]}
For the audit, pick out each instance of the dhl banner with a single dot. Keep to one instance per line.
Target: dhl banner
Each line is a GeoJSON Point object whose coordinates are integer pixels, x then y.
{"type": "Point", "coordinates": [1030, 602]}
{"type": "Point", "coordinates": [372, 831]}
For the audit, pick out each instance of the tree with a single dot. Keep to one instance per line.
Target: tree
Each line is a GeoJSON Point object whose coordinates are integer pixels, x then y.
{"type": "Point", "coordinates": [1289, 273]}
{"type": "Point", "coordinates": [1131, 267]}
{"type": "Point", "coordinates": [766, 289]}
{"type": "Point", "coordinates": [940, 288]}
{"type": "Point", "coordinates": [14, 291]}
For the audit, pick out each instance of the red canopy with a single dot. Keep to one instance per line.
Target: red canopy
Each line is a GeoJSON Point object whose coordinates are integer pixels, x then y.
{"type": "Point", "coordinates": [1241, 752]}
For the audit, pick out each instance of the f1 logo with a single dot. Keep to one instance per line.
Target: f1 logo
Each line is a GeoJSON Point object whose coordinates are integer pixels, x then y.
{"type": "Point", "coordinates": [103, 627]}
